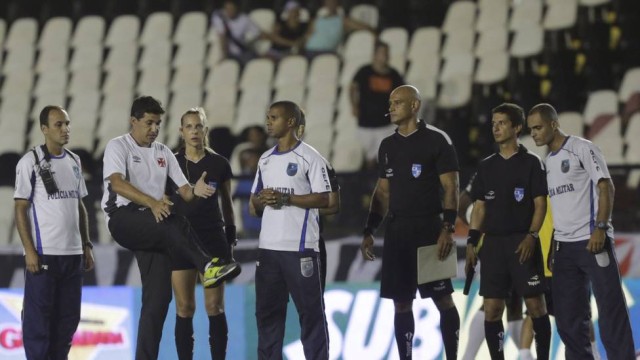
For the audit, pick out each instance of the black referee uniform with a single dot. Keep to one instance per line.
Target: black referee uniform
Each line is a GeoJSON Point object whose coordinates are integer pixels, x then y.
{"type": "Point", "coordinates": [508, 187]}
{"type": "Point", "coordinates": [413, 165]}
{"type": "Point", "coordinates": [204, 214]}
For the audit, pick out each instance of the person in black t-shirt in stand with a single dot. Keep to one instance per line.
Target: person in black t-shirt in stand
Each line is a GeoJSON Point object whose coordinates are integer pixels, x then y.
{"type": "Point", "coordinates": [510, 194]}
{"type": "Point", "coordinates": [369, 93]}
{"type": "Point", "coordinates": [414, 163]}
{"type": "Point", "coordinates": [216, 235]}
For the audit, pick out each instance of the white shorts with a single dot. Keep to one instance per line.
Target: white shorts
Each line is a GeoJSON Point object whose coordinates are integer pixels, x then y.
{"type": "Point", "coordinates": [371, 139]}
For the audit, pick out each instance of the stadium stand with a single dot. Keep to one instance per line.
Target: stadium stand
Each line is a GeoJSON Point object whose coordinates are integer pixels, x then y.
{"type": "Point", "coordinates": [464, 56]}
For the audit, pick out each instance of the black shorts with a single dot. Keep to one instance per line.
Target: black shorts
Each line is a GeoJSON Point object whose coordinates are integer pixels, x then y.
{"type": "Point", "coordinates": [399, 278]}
{"type": "Point", "coordinates": [213, 242]}
{"type": "Point", "coordinates": [501, 270]}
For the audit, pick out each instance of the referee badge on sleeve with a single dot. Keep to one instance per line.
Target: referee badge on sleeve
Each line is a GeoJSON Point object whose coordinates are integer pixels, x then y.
{"type": "Point", "coordinates": [416, 170]}
{"type": "Point", "coordinates": [518, 193]}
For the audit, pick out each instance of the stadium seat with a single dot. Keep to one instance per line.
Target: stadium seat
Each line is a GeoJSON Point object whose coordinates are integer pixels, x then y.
{"type": "Point", "coordinates": [190, 54]}
{"type": "Point", "coordinates": [365, 13]}
{"type": "Point", "coordinates": [220, 106]}
{"type": "Point", "coordinates": [22, 33]}
{"type": "Point", "coordinates": [630, 84]}
{"type": "Point", "coordinates": [602, 102]}
{"type": "Point", "coordinates": [460, 15]}
{"type": "Point", "coordinates": [455, 92]}
{"type": "Point", "coordinates": [524, 14]}
{"type": "Point", "coordinates": [114, 118]}
{"type": "Point", "coordinates": [222, 75]}
{"type": "Point", "coordinates": [492, 68]}
{"type": "Point", "coordinates": [610, 141]}
{"type": "Point", "coordinates": [84, 80]}
{"type": "Point", "coordinates": [157, 53]}
{"type": "Point", "coordinates": [425, 42]}
{"type": "Point", "coordinates": [87, 56]}
{"type": "Point", "coordinates": [158, 28]}
{"type": "Point", "coordinates": [321, 93]}
{"type": "Point", "coordinates": [51, 81]}
{"type": "Point", "coordinates": [153, 78]}
{"type": "Point", "coordinates": [56, 32]}
{"type": "Point", "coordinates": [324, 69]}
{"type": "Point", "coordinates": [492, 14]}
{"type": "Point", "coordinates": [17, 82]}
{"type": "Point", "coordinates": [359, 46]}
{"type": "Point", "coordinates": [528, 41]}
{"type": "Point", "coordinates": [187, 79]}
{"type": "Point", "coordinates": [257, 73]}
{"type": "Point", "coordinates": [19, 59]}
{"type": "Point", "coordinates": [83, 111]}
{"type": "Point", "coordinates": [457, 65]}
{"type": "Point", "coordinates": [123, 54]}
{"type": "Point", "coordinates": [571, 123]}
{"type": "Point", "coordinates": [397, 38]}
{"type": "Point", "coordinates": [191, 27]}
{"type": "Point", "coordinates": [561, 15]}
{"type": "Point", "coordinates": [88, 32]}
{"type": "Point", "coordinates": [292, 70]}
{"type": "Point", "coordinates": [123, 30]}
{"type": "Point", "coordinates": [347, 154]}
{"type": "Point", "coordinates": [492, 40]}
{"type": "Point", "coordinates": [119, 79]}
{"type": "Point", "coordinates": [290, 92]}
{"type": "Point", "coordinates": [252, 108]}
{"type": "Point", "coordinates": [459, 41]}
{"type": "Point", "coordinates": [52, 59]}
{"type": "Point", "coordinates": [424, 75]}
{"type": "Point", "coordinates": [632, 155]}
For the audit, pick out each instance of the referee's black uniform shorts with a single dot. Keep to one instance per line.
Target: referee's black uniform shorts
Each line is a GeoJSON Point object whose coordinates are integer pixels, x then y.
{"type": "Point", "coordinates": [501, 270]}
{"type": "Point", "coordinates": [399, 278]}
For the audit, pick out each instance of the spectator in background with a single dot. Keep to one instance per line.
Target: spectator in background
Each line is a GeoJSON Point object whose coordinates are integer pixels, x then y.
{"type": "Point", "coordinates": [287, 36]}
{"type": "Point", "coordinates": [326, 31]}
{"type": "Point", "coordinates": [369, 93]}
{"type": "Point", "coordinates": [236, 32]}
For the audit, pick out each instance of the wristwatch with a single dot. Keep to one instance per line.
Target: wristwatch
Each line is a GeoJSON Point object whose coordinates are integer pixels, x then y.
{"type": "Point", "coordinates": [602, 225]}
{"type": "Point", "coordinates": [286, 198]}
{"type": "Point", "coordinates": [535, 235]}
{"type": "Point", "coordinates": [449, 227]}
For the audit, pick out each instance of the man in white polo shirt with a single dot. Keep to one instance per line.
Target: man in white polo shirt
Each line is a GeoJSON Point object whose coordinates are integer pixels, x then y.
{"type": "Point", "coordinates": [136, 170]}
{"type": "Point", "coordinates": [581, 193]}
{"type": "Point", "coordinates": [52, 223]}
{"type": "Point", "coordinates": [292, 182]}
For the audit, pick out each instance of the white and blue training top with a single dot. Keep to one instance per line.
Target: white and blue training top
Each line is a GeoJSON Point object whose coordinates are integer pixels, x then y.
{"type": "Point", "coordinates": [55, 224]}
{"type": "Point", "coordinates": [573, 173]}
{"type": "Point", "coordinates": [300, 171]}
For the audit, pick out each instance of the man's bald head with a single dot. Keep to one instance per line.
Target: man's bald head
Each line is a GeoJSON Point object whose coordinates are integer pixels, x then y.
{"type": "Point", "coordinates": [407, 92]}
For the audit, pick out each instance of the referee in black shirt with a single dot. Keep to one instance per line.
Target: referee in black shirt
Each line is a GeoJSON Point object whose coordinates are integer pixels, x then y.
{"type": "Point", "coordinates": [510, 193]}
{"type": "Point", "coordinates": [413, 165]}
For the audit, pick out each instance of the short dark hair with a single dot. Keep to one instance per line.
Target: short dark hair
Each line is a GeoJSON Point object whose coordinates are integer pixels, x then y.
{"type": "Point", "coordinates": [291, 109]}
{"type": "Point", "coordinates": [546, 111]}
{"type": "Point", "coordinates": [513, 111]}
{"type": "Point", "coordinates": [379, 44]}
{"type": "Point", "coordinates": [146, 104]}
{"type": "Point", "coordinates": [44, 114]}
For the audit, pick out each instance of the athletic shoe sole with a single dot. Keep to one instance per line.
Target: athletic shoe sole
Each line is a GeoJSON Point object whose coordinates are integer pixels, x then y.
{"type": "Point", "coordinates": [227, 272]}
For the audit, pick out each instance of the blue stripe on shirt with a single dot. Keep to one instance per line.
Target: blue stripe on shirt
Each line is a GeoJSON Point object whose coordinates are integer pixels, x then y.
{"type": "Point", "coordinates": [592, 219]}
{"type": "Point", "coordinates": [303, 236]}
{"type": "Point", "coordinates": [35, 216]}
